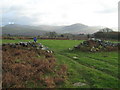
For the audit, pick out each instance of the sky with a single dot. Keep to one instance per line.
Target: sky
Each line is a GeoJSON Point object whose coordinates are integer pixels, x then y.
{"type": "Point", "coordinates": [60, 12]}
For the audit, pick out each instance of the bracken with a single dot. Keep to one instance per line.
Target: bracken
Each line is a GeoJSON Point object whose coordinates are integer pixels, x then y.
{"type": "Point", "coordinates": [22, 65]}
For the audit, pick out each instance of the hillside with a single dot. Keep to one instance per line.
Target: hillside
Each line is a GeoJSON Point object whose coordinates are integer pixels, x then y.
{"type": "Point", "coordinates": [21, 30]}
{"type": "Point", "coordinates": [15, 29]}
{"type": "Point", "coordinates": [73, 29]}
{"type": "Point", "coordinates": [79, 28]}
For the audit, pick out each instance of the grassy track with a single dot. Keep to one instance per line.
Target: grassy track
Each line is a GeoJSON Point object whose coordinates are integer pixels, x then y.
{"type": "Point", "coordinates": [96, 70]}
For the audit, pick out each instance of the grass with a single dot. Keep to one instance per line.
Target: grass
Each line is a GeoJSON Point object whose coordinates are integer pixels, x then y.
{"type": "Point", "coordinates": [96, 70]}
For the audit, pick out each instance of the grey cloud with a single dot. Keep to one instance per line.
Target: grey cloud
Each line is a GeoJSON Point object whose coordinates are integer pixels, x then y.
{"type": "Point", "coordinates": [24, 20]}
{"type": "Point", "coordinates": [14, 14]}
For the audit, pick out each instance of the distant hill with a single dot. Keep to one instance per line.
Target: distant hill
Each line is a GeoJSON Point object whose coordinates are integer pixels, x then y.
{"type": "Point", "coordinates": [15, 29]}
{"type": "Point", "coordinates": [79, 28]}
{"type": "Point", "coordinates": [72, 29]}
{"type": "Point", "coordinates": [21, 30]}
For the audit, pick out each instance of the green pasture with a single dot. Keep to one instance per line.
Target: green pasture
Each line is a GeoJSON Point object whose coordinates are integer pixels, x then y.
{"type": "Point", "coordinates": [95, 70]}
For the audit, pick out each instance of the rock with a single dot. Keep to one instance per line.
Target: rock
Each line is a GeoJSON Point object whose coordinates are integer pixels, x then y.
{"type": "Point", "coordinates": [16, 44]}
{"type": "Point", "coordinates": [75, 57]}
{"type": "Point", "coordinates": [79, 84]}
{"type": "Point", "coordinates": [3, 44]}
{"type": "Point", "coordinates": [28, 45]}
{"type": "Point", "coordinates": [41, 46]}
{"type": "Point", "coordinates": [75, 46]}
{"type": "Point", "coordinates": [92, 39]}
{"type": "Point", "coordinates": [37, 48]}
{"type": "Point", "coordinates": [70, 49]}
{"type": "Point", "coordinates": [93, 49]}
{"type": "Point", "coordinates": [48, 51]}
{"type": "Point", "coordinates": [94, 45]}
{"type": "Point", "coordinates": [13, 46]}
{"type": "Point", "coordinates": [51, 51]}
{"type": "Point", "coordinates": [44, 48]}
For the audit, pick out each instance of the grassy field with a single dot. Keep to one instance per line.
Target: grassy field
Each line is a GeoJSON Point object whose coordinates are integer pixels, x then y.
{"type": "Point", "coordinates": [95, 70]}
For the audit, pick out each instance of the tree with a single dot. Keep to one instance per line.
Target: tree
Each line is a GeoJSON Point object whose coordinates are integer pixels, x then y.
{"type": "Point", "coordinates": [106, 30]}
{"type": "Point", "coordinates": [62, 35]}
{"type": "Point", "coordinates": [52, 34]}
{"type": "Point", "coordinates": [88, 36]}
{"type": "Point", "coordinates": [107, 33]}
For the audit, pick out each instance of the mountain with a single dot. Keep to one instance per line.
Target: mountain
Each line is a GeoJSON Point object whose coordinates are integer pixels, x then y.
{"type": "Point", "coordinates": [50, 28]}
{"type": "Point", "coordinates": [79, 28]}
{"type": "Point", "coordinates": [73, 29]}
{"type": "Point", "coordinates": [15, 29]}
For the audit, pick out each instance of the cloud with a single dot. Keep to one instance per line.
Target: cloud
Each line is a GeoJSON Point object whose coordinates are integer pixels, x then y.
{"type": "Point", "coordinates": [19, 20]}
{"type": "Point", "coordinates": [107, 11]}
{"type": "Point", "coordinates": [107, 7]}
{"type": "Point", "coordinates": [17, 13]}
{"type": "Point", "coordinates": [60, 12]}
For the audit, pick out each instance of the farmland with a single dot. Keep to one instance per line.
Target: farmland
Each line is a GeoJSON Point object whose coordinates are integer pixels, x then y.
{"type": "Point", "coordinates": [93, 70]}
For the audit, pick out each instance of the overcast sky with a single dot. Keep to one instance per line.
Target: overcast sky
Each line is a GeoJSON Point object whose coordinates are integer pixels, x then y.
{"type": "Point", "coordinates": [60, 12]}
